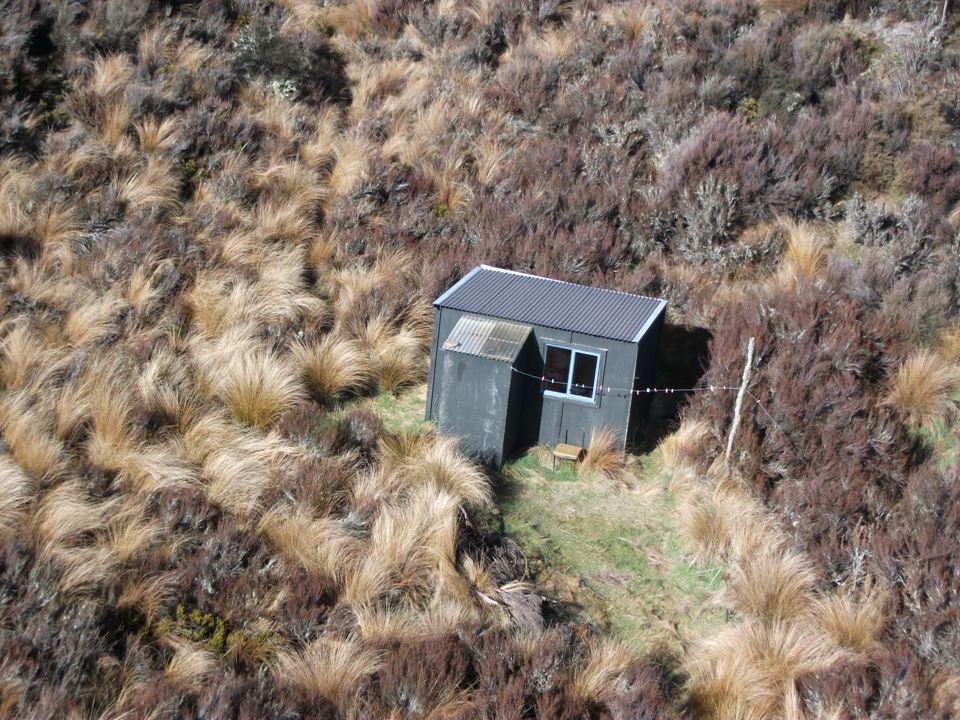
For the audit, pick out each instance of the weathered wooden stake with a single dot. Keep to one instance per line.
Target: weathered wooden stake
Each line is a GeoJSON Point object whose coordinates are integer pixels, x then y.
{"type": "Point", "coordinates": [739, 403]}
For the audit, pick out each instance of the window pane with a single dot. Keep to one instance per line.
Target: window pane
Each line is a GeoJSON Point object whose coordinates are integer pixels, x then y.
{"type": "Point", "coordinates": [556, 369]}
{"type": "Point", "coordinates": [584, 375]}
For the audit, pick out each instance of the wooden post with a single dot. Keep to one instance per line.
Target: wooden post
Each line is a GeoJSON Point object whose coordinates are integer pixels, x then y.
{"type": "Point", "coordinates": [736, 408]}
{"type": "Point", "coordinates": [943, 17]}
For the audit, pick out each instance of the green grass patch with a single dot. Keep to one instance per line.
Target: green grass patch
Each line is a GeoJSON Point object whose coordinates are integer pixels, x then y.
{"type": "Point", "coordinates": [403, 411]}
{"type": "Point", "coordinates": [611, 549]}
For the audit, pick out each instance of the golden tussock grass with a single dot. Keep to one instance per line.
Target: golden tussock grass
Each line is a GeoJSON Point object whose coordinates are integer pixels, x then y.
{"type": "Point", "coordinates": [258, 387]}
{"type": "Point", "coordinates": [603, 458]}
{"type": "Point", "coordinates": [490, 156]}
{"type": "Point", "coordinates": [93, 320]}
{"type": "Point", "coordinates": [749, 670]}
{"type": "Point", "coordinates": [441, 464]}
{"type": "Point", "coordinates": [149, 596]}
{"type": "Point", "coordinates": [606, 662]}
{"type": "Point", "coordinates": [411, 546]}
{"type": "Point", "coordinates": [334, 367]}
{"type": "Point", "coordinates": [949, 345]}
{"type": "Point", "coordinates": [110, 75]}
{"type": "Point", "coordinates": [16, 492]}
{"type": "Point", "coordinates": [239, 468]}
{"type": "Point", "coordinates": [22, 354]}
{"type": "Point", "coordinates": [65, 517]}
{"type": "Point", "coordinates": [154, 186]}
{"type": "Point", "coordinates": [853, 621]}
{"type": "Point", "coordinates": [321, 546]}
{"type": "Point", "coordinates": [156, 135]}
{"type": "Point", "coordinates": [29, 439]}
{"type": "Point", "coordinates": [328, 668]}
{"type": "Point", "coordinates": [190, 666]}
{"type": "Point", "coordinates": [632, 19]}
{"type": "Point", "coordinates": [723, 527]}
{"type": "Point", "coordinates": [351, 153]}
{"type": "Point", "coordinates": [557, 42]}
{"type": "Point", "coordinates": [923, 388]}
{"type": "Point", "coordinates": [351, 19]}
{"type": "Point", "coordinates": [153, 47]}
{"type": "Point", "coordinates": [772, 584]}
{"type": "Point", "coordinates": [678, 449]}
{"type": "Point", "coordinates": [804, 256]}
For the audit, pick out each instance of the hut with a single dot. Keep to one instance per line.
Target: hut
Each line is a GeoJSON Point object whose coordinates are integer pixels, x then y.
{"type": "Point", "coordinates": [518, 359]}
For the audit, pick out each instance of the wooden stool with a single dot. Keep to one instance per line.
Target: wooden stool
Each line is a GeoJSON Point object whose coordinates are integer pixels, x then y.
{"type": "Point", "coordinates": [562, 451]}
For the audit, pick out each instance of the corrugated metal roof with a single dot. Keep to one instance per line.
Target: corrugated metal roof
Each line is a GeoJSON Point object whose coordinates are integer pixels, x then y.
{"type": "Point", "coordinates": [494, 339]}
{"type": "Point", "coordinates": [553, 303]}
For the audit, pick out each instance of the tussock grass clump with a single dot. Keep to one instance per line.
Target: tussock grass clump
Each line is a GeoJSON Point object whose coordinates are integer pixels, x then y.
{"type": "Point", "coordinates": [603, 459]}
{"type": "Point", "coordinates": [923, 388]}
{"type": "Point", "coordinates": [606, 662]}
{"type": "Point", "coordinates": [853, 622]}
{"type": "Point", "coordinates": [334, 367]}
{"type": "Point", "coordinates": [15, 494]}
{"type": "Point", "coordinates": [679, 448]}
{"type": "Point", "coordinates": [328, 668]}
{"type": "Point", "coordinates": [190, 666]}
{"type": "Point", "coordinates": [258, 387]}
{"type": "Point", "coordinates": [772, 585]}
{"type": "Point", "coordinates": [804, 256]}
{"type": "Point", "coordinates": [442, 465]}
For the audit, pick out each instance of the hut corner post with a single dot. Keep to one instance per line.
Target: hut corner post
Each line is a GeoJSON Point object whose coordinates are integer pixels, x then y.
{"type": "Point", "coordinates": [739, 403]}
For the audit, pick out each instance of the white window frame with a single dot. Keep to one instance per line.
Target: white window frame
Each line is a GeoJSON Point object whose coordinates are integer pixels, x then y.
{"type": "Point", "coordinates": [592, 399]}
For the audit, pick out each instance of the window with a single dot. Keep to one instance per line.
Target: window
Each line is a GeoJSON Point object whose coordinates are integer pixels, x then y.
{"type": "Point", "coordinates": [570, 372]}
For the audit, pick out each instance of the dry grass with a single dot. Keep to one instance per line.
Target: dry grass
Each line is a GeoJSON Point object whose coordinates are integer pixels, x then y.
{"type": "Point", "coordinates": [678, 449]}
{"type": "Point", "coordinates": [328, 668]}
{"type": "Point", "coordinates": [15, 495]}
{"type": "Point", "coordinates": [334, 367]}
{"type": "Point", "coordinates": [805, 254]}
{"type": "Point", "coordinates": [949, 345]}
{"type": "Point", "coordinates": [603, 459]}
{"type": "Point", "coordinates": [853, 622]}
{"type": "Point", "coordinates": [922, 391]}
{"type": "Point", "coordinates": [29, 439]}
{"type": "Point", "coordinates": [320, 546]}
{"type": "Point", "coordinates": [443, 466]}
{"type": "Point", "coordinates": [606, 662]}
{"type": "Point", "coordinates": [189, 667]}
{"type": "Point", "coordinates": [772, 585]}
{"type": "Point", "coordinates": [258, 387]}
{"type": "Point", "coordinates": [749, 670]}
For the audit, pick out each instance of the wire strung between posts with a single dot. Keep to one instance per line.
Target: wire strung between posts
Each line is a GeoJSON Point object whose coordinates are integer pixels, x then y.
{"type": "Point", "coordinates": [624, 392]}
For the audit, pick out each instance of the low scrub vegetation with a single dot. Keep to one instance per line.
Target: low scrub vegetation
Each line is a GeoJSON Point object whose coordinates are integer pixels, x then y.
{"type": "Point", "coordinates": [222, 222]}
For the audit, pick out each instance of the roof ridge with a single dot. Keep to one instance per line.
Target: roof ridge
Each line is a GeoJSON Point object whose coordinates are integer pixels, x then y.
{"type": "Point", "coordinates": [565, 282]}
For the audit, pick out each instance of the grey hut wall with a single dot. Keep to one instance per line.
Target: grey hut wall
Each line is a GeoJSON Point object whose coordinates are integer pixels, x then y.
{"type": "Point", "coordinates": [560, 420]}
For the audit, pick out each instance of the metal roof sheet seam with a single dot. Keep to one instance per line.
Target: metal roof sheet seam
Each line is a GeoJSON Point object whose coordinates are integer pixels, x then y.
{"type": "Point", "coordinates": [516, 296]}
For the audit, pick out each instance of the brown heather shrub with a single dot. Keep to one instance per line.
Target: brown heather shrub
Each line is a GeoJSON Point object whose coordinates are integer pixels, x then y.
{"type": "Point", "coordinates": [922, 391]}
